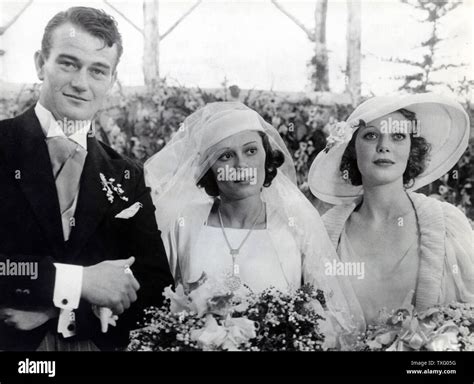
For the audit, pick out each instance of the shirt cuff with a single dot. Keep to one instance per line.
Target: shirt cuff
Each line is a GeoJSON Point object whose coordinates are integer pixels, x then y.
{"type": "Point", "coordinates": [67, 286]}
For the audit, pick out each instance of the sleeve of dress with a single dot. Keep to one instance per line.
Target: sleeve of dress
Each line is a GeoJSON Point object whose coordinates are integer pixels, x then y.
{"type": "Point", "coordinates": [460, 252]}
{"type": "Point", "coordinates": [170, 241]}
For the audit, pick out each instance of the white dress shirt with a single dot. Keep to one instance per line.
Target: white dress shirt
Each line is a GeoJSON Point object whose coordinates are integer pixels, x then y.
{"type": "Point", "coordinates": [68, 283]}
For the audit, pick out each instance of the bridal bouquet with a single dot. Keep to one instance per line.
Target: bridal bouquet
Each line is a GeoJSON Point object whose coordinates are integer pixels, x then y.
{"type": "Point", "coordinates": [209, 316]}
{"type": "Point", "coordinates": [442, 328]}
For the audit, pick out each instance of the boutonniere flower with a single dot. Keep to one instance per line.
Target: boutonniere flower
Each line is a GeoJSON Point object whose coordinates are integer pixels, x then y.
{"type": "Point", "coordinates": [109, 188]}
{"type": "Point", "coordinates": [339, 133]}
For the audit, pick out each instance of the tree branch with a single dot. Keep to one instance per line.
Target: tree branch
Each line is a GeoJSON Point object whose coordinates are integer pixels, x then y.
{"type": "Point", "coordinates": [15, 18]}
{"type": "Point", "coordinates": [125, 17]}
{"type": "Point", "coordinates": [447, 66]}
{"type": "Point", "coordinates": [180, 19]}
{"type": "Point", "coordinates": [295, 20]}
{"type": "Point", "coordinates": [403, 61]}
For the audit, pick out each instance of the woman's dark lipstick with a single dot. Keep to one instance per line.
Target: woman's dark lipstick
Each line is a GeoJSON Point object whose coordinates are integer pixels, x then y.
{"type": "Point", "coordinates": [383, 162]}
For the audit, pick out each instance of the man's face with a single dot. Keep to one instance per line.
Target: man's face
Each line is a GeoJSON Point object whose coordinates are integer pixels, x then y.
{"type": "Point", "coordinates": [77, 75]}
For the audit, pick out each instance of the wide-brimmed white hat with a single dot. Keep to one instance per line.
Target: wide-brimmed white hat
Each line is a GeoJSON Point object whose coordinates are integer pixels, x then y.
{"type": "Point", "coordinates": [441, 121]}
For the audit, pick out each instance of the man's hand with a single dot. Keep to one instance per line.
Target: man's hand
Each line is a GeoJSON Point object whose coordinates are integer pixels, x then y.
{"type": "Point", "coordinates": [27, 320]}
{"type": "Point", "coordinates": [108, 284]}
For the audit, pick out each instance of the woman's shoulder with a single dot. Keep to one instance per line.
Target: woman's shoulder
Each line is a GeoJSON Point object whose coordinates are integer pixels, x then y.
{"type": "Point", "coordinates": [457, 224]}
{"type": "Point", "coordinates": [192, 209]}
{"type": "Point", "coordinates": [446, 247]}
{"type": "Point", "coordinates": [451, 215]}
{"type": "Point", "coordinates": [191, 215]}
{"type": "Point", "coordinates": [440, 218]}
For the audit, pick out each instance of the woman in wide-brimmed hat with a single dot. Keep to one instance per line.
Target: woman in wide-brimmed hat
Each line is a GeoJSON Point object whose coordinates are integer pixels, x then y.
{"type": "Point", "coordinates": [413, 248]}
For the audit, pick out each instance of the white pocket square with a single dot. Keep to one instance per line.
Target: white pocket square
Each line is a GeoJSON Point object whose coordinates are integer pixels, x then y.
{"type": "Point", "coordinates": [129, 212]}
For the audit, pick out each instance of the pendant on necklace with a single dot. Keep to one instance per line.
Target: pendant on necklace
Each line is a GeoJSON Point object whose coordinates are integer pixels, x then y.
{"type": "Point", "coordinates": [233, 279]}
{"type": "Point", "coordinates": [233, 282]}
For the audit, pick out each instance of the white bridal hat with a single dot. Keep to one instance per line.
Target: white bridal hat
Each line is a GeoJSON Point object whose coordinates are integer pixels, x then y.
{"type": "Point", "coordinates": [441, 121]}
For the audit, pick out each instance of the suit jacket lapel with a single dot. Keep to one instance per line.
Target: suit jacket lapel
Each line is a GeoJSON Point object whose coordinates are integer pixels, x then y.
{"type": "Point", "coordinates": [92, 200]}
{"type": "Point", "coordinates": [36, 176]}
{"type": "Point", "coordinates": [28, 153]}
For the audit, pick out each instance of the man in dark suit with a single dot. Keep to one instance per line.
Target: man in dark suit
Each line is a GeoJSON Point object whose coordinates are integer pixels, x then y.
{"type": "Point", "coordinates": [79, 244]}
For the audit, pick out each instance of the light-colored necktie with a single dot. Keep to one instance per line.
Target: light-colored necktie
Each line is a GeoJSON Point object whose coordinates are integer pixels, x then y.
{"type": "Point", "coordinates": [67, 160]}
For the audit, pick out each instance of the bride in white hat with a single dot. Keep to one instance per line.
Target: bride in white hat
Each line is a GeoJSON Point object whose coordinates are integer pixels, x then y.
{"type": "Point", "coordinates": [228, 205]}
{"type": "Point", "coordinates": [412, 247]}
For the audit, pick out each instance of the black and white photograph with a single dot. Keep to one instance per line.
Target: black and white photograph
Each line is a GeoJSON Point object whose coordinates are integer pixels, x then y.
{"type": "Point", "coordinates": [219, 180]}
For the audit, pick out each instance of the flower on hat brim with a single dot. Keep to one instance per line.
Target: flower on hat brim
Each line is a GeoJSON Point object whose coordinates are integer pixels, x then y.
{"type": "Point", "coordinates": [340, 133]}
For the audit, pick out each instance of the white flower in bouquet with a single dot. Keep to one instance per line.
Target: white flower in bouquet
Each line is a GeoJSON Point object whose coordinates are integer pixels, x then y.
{"type": "Point", "coordinates": [239, 331]}
{"type": "Point", "coordinates": [211, 336]}
{"type": "Point", "coordinates": [202, 296]}
{"type": "Point", "coordinates": [179, 301]}
{"type": "Point", "coordinates": [445, 339]}
{"type": "Point", "coordinates": [206, 316]}
{"type": "Point", "coordinates": [442, 328]}
{"type": "Point", "coordinates": [229, 336]}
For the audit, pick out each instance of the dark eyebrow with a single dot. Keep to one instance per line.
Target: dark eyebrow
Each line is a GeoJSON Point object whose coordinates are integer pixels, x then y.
{"type": "Point", "coordinates": [76, 60]}
{"type": "Point", "coordinates": [223, 150]}
{"type": "Point", "coordinates": [101, 65]}
{"type": "Point", "coordinates": [65, 56]}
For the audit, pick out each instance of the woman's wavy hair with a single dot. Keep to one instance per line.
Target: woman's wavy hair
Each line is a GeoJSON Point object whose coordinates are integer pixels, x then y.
{"type": "Point", "coordinates": [274, 158]}
{"type": "Point", "coordinates": [419, 150]}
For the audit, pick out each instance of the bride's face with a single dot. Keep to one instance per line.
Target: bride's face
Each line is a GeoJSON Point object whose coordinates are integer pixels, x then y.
{"type": "Point", "coordinates": [240, 168]}
{"type": "Point", "coordinates": [383, 151]}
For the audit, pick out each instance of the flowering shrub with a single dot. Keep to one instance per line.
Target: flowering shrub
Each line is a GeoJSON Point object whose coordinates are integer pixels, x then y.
{"type": "Point", "coordinates": [456, 187]}
{"type": "Point", "coordinates": [209, 316]}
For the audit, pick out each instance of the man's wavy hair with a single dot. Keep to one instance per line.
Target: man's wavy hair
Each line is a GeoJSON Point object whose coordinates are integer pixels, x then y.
{"type": "Point", "coordinates": [419, 151]}
{"type": "Point", "coordinates": [274, 158]}
{"type": "Point", "coordinates": [94, 21]}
